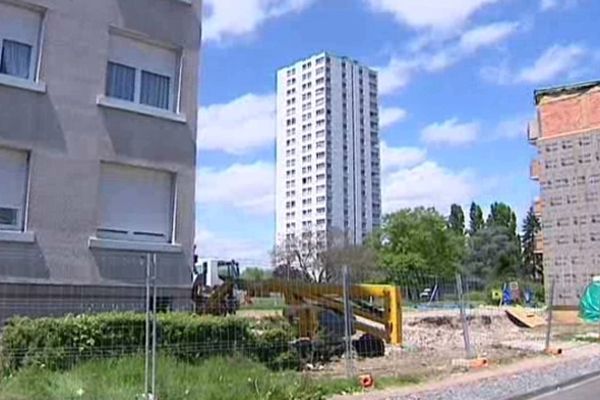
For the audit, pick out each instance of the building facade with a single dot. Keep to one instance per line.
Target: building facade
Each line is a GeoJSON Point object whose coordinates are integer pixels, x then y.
{"type": "Point", "coordinates": [98, 104]}
{"type": "Point", "coordinates": [328, 163]}
{"type": "Point", "coordinates": [566, 134]}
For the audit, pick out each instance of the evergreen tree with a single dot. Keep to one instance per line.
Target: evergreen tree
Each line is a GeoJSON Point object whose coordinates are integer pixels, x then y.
{"type": "Point", "coordinates": [532, 262]}
{"type": "Point", "coordinates": [475, 219]}
{"type": "Point", "coordinates": [502, 215]}
{"type": "Point", "coordinates": [456, 220]}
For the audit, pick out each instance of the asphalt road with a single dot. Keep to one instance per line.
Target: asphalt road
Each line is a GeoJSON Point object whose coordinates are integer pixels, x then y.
{"type": "Point", "coordinates": [588, 390]}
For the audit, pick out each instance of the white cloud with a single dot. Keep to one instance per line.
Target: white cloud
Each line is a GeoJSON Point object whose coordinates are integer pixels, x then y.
{"type": "Point", "coordinates": [230, 18]}
{"type": "Point", "coordinates": [396, 74]}
{"type": "Point", "coordinates": [513, 127]}
{"type": "Point", "coordinates": [427, 184]}
{"type": "Point", "coordinates": [240, 126]}
{"type": "Point", "coordinates": [430, 14]}
{"type": "Point", "coordinates": [486, 35]}
{"type": "Point", "coordinates": [547, 5]}
{"type": "Point", "coordinates": [555, 61]}
{"type": "Point", "coordinates": [389, 116]}
{"type": "Point", "coordinates": [400, 157]}
{"type": "Point", "coordinates": [248, 252]}
{"type": "Point", "coordinates": [247, 187]}
{"type": "Point", "coordinates": [450, 132]}
{"type": "Point", "coordinates": [401, 69]}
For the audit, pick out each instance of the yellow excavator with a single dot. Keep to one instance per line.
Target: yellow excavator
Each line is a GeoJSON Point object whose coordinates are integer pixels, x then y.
{"type": "Point", "coordinates": [316, 309]}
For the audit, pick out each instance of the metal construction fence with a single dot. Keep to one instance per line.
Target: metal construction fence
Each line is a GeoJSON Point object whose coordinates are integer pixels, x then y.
{"type": "Point", "coordinates": [420, 327]}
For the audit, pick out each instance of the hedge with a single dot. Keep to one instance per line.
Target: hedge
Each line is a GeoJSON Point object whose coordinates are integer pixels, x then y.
{"type": "Point", "coordinates": [60, 343]}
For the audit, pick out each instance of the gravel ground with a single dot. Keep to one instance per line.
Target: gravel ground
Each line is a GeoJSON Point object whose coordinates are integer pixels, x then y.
{"type": "Point", "coordinates": [516, 384]}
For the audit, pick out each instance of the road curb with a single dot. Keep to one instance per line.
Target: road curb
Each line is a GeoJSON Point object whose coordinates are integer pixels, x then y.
{"type": "Point", "coordinates": [555, 387]}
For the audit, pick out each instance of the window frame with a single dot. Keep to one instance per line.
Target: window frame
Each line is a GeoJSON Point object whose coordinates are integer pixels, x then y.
{"type": "Point", "coordinates": [22, 212]}
{"type": "Point", "coordinates": [33, 82]}
{"type": "Point", "coordinates": [174, 111]}
{"type": "Point", "coordinates": [120, 235]}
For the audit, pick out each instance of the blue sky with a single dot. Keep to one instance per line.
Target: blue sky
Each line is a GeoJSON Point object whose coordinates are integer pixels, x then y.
{"type": "Point", "coordinates": [456, 81]}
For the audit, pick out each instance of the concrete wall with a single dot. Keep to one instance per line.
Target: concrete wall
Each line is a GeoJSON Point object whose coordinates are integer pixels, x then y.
{"type": "Point", "coordinates": [68, 135]}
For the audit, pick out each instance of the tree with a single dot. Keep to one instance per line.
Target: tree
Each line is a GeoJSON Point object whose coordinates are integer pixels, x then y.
{"type": "Point", "coordinates": [502, 215]}
{"type": "Point", "coordinates": [475, 219]}
{"type": "Point", "coordinates": [493, 254]}
{"type": "Point", "coordinates": [417, 242]}
{"type": "Point", "coordinates": [300, 257]}
{"type": "Point", "coordinates": [456, 220]}
{"type": "Point", "coordinates": [532, 261]}
{"type": "Point", "coordinates": [256, 274]}
{"type": "Point", "coordinates": [361, 260]}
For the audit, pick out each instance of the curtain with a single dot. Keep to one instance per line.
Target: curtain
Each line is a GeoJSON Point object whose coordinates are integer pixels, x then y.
{"type": "Point", "coordinates": [120, 81]}
{"type": "Point", "coordinates": [16, 59]}
{"type": "Point", "coordinates": [155, 90]}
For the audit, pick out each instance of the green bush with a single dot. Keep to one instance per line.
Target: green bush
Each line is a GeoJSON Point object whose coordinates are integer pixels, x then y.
{"type": "Point", "coordinates": [60, 343]}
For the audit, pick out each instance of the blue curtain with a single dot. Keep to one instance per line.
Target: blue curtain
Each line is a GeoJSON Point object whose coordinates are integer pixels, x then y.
{"type": "Point", "coordinates": [155, 90]}
{"type": "Point", "coordinates": [16, 59]}
{"type": "Point", "coordinates": [120, 81]}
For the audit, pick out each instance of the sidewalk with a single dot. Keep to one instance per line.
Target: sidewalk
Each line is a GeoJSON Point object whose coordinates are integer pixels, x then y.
{"type": "Point", "coordinates": [500, 382]}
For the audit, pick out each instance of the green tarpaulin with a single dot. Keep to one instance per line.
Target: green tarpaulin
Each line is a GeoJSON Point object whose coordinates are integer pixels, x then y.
{"type": "Point", "coordinates": [589, 307]}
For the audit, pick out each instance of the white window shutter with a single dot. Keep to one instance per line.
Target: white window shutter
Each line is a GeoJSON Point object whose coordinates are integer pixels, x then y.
{"type": "Point", "coordinates": [135, 203]}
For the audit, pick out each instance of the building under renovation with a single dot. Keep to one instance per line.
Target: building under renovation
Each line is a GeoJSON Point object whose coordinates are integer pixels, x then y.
{"type": "Point", "coordinates": [567, 136]}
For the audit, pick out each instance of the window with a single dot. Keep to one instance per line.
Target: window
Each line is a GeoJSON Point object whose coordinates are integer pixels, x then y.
{"type": "Point", "coordinates": [13, 175]}
{"type": "Point", "coordinates": [135, 203]}
{"type": "Point", "coordinates": [19, 38]}
{"type": "Point", "coordinates": [141, 72]}
{"type": "Point", "coordinates": [320, 101]}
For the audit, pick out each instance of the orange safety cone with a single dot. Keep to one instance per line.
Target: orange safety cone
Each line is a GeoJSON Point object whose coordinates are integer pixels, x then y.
{"type": "Point", "coordinates": [366, 381]}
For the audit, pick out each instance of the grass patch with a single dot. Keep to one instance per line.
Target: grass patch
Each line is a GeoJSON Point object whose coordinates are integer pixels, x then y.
{"type": "Point", "coordinates": [214, 379]}
{"type": "Point", "coordinates": [265, 304]}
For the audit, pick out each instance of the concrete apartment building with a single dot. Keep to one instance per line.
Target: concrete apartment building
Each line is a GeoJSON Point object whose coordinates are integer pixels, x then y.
{"type": "Point", "coordinates": [98, 104]}
{"type": "Point", "coordinates": [328, 164]}
{"type": "Point", "coordinates": [567, 137]}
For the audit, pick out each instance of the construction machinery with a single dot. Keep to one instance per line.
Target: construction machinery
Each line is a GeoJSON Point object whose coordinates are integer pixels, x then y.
{"type": "Point", "coordinates": [317, 310]}
{"type": "Point", "coordinates": [214, 288]}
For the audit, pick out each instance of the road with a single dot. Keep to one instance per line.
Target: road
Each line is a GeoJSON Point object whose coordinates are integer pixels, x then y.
{"type": "Point", "coordinates": [587, 390]}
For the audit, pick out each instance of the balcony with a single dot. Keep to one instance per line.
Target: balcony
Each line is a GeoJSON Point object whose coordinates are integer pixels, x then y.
{"type": "Point", "coordinates": [538, 207]}
{"type": "Point", "coordinates": [533, 131]}
{"type": "Point", "coordinates": [535, 168]}
{"type": "Point", "coordinates": [538, 244]}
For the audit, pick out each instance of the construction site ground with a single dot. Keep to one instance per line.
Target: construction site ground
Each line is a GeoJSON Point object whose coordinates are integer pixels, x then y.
{"type": "Point", "coordinates": [433, 343]}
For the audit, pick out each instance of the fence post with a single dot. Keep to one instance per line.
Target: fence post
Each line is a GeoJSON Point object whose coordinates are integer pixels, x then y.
{"type": "Point", "coordinates": [347, 322]}
{"type": "Point", "coordinates": [154, 322]}
{"type": "Point", "coordinates": [147, 344]}
{"type": "Point", "coordinates": [463, 317]}
{"type": "Point", "coordinates": [549, 323]}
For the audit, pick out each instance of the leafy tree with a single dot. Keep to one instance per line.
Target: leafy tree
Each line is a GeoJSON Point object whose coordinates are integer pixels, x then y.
{"type": "Point", "coordinates": [532, 261]}
{"type": "Point", "coordinates": [256, 274]}
{"type": "Point", "coordinates": [475, 219]}
{"type": "Point", "coordinates": [456, 220]}
{"type": "Point", "coordinates": [417, 241]}
{"type": "Point", "coordinates": [493, 254]}
{"type": "Point", "coordinates": [502, 215]}
{"type": "Point", "coordinates": [361, 260]}
{"type": "Point", "coordinates": [300, 257]}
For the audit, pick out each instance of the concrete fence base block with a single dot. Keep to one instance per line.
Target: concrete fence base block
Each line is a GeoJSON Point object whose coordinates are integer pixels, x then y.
{"type": "Point", "coordinates": [473, 363]}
